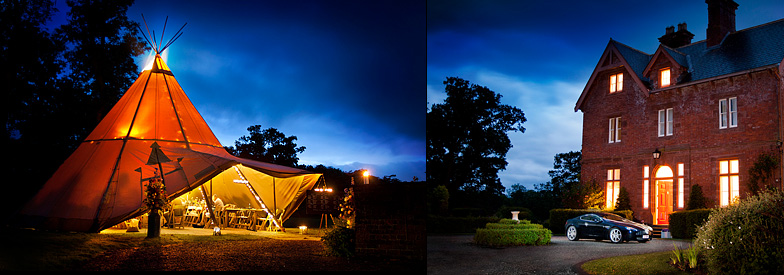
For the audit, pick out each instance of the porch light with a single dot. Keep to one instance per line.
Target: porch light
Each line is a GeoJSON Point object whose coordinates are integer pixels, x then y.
{"type": "Point", "coordinates": [656, 154]}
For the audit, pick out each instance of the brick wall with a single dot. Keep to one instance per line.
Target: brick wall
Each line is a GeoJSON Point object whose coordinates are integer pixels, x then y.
{"type": "Point", "coordinates": [697, 141]}
{"type": "Point", "coordinates": [390, 221]}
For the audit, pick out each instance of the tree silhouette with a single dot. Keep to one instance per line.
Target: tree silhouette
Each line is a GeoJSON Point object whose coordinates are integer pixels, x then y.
{"type": "Point", "coordinates": [467, 139]}
{"type": "Point", "coordinates": [55, 86]}
{"type": "Point", "coordinates": [268, 145]}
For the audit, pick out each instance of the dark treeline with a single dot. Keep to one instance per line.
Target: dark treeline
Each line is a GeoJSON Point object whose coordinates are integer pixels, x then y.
{"type": "Point", "coordinates": [59, 81]}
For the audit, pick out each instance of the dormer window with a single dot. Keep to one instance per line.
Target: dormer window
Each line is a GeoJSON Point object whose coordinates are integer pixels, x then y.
{"type": "Point", "coordinates": [616, 83]}
{"type": "Point", "coordinates": [664, 78]}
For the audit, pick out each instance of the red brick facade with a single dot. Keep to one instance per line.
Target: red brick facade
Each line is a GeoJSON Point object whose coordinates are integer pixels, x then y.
{"type": "Point", "coordinates": [697, 142]}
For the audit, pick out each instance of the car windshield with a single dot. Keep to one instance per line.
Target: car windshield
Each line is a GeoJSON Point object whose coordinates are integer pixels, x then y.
{"type": "Point", "coordinates": [613, 217]}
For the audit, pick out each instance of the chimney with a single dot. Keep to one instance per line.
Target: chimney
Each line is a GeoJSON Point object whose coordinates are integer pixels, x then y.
{"type": "Point", "coordinates": [721, 20]}
{"type": "Point", "coordinates": [674, 39]}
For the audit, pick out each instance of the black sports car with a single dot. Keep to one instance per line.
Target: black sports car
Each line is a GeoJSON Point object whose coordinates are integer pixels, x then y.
{"type": "Point", "coordinates": [601, 226]}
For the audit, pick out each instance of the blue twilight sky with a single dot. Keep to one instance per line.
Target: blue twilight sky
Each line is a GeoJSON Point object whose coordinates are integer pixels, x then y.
{"type": "Point", "coordinates": [342, 76]}
{"type": "Point", "coordinates": [539, 55]}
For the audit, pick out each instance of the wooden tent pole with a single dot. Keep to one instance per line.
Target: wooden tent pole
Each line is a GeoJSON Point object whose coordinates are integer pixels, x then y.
{"type": "Point", "coordinates": [208, 200]}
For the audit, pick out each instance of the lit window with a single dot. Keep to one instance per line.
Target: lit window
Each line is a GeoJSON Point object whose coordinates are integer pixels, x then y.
{"type": "Point", "coordinates": [728, 113]}
{"type": "Point", "coordinates": [645, 186]}
{"type": "Point", "coordinates": [728, 181]}
{"type": "Point", "coordinates": [616, 83]}
{"type": "Point", "coordinates": [665, 122]}
{"type": "Point", "coordinates": [680, 185]}
{"type": "Point", "coordinates": [613, 187]}
{"type": "Point", "coordinates": [615, 130]}
{"type": "Point", "coordinates": [665, 77]}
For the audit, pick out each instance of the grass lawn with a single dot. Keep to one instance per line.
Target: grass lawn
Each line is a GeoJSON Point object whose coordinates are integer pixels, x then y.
{"type": "Point", "coordinates": [653, 263]}
{"type": "Point", "coordinates": [37, 251]}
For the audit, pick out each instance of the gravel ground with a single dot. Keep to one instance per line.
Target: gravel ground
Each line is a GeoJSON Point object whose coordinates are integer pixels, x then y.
{"type": "Point", "coordinates": [458, 255]}
{"type": "Point", "coordinates": [265, 254]}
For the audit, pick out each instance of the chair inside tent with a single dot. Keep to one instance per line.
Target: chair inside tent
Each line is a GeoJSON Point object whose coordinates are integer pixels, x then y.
{"type": "Point", "coordinates": [155, 126]}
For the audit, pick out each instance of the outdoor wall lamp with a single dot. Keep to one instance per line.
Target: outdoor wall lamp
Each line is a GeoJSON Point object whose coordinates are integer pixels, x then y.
{"type": "Point", "coordinates": [656, 154]}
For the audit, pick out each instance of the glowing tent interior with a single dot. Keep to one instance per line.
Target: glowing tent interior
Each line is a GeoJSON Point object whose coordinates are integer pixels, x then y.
{"type": "Point", "coordinates": [102, 183]}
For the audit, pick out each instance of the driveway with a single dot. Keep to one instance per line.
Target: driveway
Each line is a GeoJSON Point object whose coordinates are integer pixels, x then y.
{"type": "Point", "coordinates": [458, 255]}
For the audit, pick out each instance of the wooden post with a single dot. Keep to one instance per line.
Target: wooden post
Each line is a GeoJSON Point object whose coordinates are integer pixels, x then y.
{"type": "Point", "coordinates": [208, 200]}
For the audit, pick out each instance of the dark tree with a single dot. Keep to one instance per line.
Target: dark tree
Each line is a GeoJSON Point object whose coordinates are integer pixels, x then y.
{"type": "Point", "coordinates": [623, 202]}
{"type": "Point", "coordinates": [50, 99]}
{"type": "Point", "coordinates": [467, 139]}
{"type": "Point", "coordinates": [102, 43]}
{"type": "Point", "coordinates": [29, 66]}
{"type": "Point", "coordinates": [697, 199]}
{"type": "Point", "coordinates": [268, 145]}
{"type": "Point", "coordinates": [539, 201]}
{"type": "Point", "coordinates": [564, 177]}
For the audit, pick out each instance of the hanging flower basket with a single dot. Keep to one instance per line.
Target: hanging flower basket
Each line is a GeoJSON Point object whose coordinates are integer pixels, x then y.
{"type": "Point", "coordinates": [156, 194]}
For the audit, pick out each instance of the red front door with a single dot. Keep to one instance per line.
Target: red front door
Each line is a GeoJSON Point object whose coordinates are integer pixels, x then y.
{"type": "Point", "coordinates": [663, 201]}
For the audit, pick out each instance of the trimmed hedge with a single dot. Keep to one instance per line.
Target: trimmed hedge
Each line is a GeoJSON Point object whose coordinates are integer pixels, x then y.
{"type": "Point", "coordinates": [683, 224]}
{"type": "Point", "coordinates": [513, 226]}
{"type": "Point", "coordinates": [511, 221]}
{"type": "Point", "coordinates": [508, 237]}
{"type": "Point", "coordinates": [440, 225]}
{"type": "Point", "coordinates": [558, 217]}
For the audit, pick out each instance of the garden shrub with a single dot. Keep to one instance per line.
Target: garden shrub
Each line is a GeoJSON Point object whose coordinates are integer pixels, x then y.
{"type": "Point", "coordinates": [511, 221]}
{"type": "Point", "coordinates": [745, 238]}
{"type": "Point", "coordinates": [509, 237]}
{"type": "Point", "coordinates": [513, 226]}
{"type": "Point", "coordinates": [558, 217]}
{"type": "Point", "coordinates": [683, 224]}
{"type": "Point", "coordinates": [340, 241]}
{"type": "Point", "coordinates": [450, 225]}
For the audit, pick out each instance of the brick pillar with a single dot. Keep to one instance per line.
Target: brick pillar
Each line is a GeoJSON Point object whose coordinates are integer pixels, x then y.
{"type": "Point", "coordinates": [391, 221]}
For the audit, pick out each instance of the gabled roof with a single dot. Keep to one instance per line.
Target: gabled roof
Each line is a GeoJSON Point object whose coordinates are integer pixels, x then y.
{"type": "Point", "coordinates": [636, 59]}
{"type": "Point", "coordinates": [632, 60]}
{"type": "Point", "coordinates": [743, 50]}
{"type": "Point", "coordinates": [677, 59]}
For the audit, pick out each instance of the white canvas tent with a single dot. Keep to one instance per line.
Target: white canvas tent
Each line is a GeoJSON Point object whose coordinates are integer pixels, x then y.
{"type": "Point", "coordinates": [102, 182]}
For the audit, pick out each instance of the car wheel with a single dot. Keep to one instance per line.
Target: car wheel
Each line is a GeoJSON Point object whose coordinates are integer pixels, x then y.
{"type": "Point", "coordinates": [616, 236]}
{"type": "Point", "coordinates": [571, 233]}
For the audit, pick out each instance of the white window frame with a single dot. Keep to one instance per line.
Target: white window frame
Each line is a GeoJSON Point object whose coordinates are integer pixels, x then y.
{"type": "Point", "coordinates": [728, 113]}
{"type": "Point", "coordinates": [615, 130]}
{"type": "Point", "coordinates": [613, 187]}
{"type": "Point", "coordinates": [729, 181]}
{"type": "Point", "coordinates": [733, 101]}
{"type": "Point", "coordinates": [616, 83]}
{"type": "Point", "coordinates": [680, 184]}
{"type": "Point", "coordinates": [645, 186]}
{"type": "Point", "coordinates": [723, 121]}
{"type": "Point", "coordinates": [666, 122]}
{"type": "Point", "coordinates": [664, 77]}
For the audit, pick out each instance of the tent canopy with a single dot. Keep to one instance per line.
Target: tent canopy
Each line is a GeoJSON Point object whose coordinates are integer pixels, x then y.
{"type": "Point", "coordinates": [102, 182]}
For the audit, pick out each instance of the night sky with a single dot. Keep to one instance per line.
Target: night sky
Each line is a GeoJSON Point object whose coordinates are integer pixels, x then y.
{"type": "Point", "coordinates": [540, 54]}
{"type": "Point", "coordinates": [344, 77]}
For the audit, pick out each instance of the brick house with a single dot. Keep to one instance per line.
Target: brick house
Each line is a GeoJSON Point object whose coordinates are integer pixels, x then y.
{"type": "Point", "coordinates": [708, 109]}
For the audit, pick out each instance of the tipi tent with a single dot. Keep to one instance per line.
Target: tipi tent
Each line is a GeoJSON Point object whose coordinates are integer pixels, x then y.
{"type": "Point", "coordinates": [102, 182]}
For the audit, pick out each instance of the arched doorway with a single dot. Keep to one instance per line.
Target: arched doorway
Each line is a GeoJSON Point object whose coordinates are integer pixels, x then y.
{"type": "Point", "coordinates": [663, 207]}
